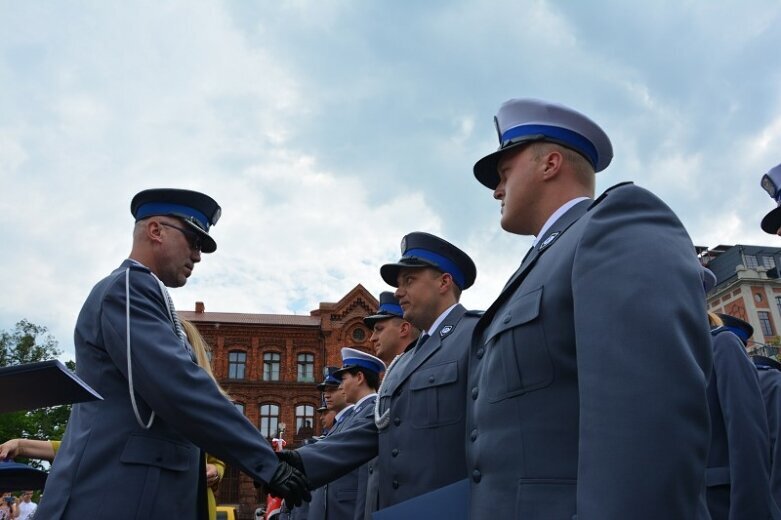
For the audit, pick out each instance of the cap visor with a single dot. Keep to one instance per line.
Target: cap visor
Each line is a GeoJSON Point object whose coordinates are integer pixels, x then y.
{"type": "Point", "coordinates": [772, 221]}
{"type": "Point", "coordinates": [369, 321]}
{"type": "Point", "coordinates": [208, 245]}
{"type": "Point", "coordinates": [390, 272]}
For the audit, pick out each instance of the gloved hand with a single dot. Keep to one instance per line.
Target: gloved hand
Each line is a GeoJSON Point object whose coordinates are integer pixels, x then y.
{"type": "Point", "coordinates": [293, 458]}
{"type": "Point", "coordinates": [290, 484]}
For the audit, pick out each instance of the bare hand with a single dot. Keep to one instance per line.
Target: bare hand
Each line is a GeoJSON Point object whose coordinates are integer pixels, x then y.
{"type": "Point", "coordinates": [212, 476]}
{"type": "Point", "coordinates": [9, 449]}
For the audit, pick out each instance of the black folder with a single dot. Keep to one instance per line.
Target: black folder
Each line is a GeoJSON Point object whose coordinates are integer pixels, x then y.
{"type": "Point", "coordinates": [42, 384]}
{"type": "Point", "coordinates": [18, 477]}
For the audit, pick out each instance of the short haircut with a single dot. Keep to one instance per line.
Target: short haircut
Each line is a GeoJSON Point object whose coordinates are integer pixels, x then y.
{"type": "Point", "coordinates": [372, 378]}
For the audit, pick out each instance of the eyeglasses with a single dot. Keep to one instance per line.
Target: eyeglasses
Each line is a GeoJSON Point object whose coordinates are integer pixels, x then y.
{"type": "Point", "coordinates": [192, 237]}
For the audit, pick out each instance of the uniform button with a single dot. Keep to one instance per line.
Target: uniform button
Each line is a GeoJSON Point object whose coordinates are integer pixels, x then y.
{"type": "Point", "coordinates": [473, 435]}
{"type": "Point", "coordinates": [475, 391]}
{"type": "Point", "coordinates": [476, 475]}
{"type": "Point", "coordinates": [371, 469]}
{"type": "Point", "coordinates": [506, 319]}
{"type": "Point", "coordinates": [395, 451]}
{"type": "Point", "coordinates": [397, 421]}
{"type": "Point", "coordinates": [397, 392]}
{"type": "Point", "coordinates": [430, 379]}
{"type": "Point", "coordinates": [395, 484]}
{"type": "Point", "coordinates": [480, 353]}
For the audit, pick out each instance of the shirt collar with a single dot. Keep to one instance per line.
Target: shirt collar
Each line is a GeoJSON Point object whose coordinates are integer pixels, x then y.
{"type": "Point", "coordinates": [439, 320]}
{"type": "Point", "coordinates": [362, 399]}
{"type": "Point", "coordinates": [556, 216]}
{"type": "Point", "coordinates": [342, 412]}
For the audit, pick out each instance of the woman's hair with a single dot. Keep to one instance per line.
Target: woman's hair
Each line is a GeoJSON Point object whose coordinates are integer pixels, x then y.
{"type": "Point", "coordinates": [201, 348]}
{"type": "Point", "coordinates": [714, 320]}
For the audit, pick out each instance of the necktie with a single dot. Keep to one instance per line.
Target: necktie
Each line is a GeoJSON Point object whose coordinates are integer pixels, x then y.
{"type": "Point", "coordinates": [421, 341]}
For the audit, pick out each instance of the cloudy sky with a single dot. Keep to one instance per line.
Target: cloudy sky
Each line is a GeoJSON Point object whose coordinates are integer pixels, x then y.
{"type": "Point", "coordinates": [329, 129]}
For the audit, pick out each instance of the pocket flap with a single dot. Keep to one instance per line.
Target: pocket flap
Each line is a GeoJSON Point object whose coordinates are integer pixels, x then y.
{"type": "Point", "coordinates": [437, 375]}
{"type": "Point", "coordinates": [153, 451]}
{"type": "Point", "coordinates": [518, 311]}
{"type": "Point", "coordinates": [346, 495]}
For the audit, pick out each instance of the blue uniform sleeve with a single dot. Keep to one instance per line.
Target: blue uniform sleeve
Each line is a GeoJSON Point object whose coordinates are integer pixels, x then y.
{"type": "Point", "coordinates": [643, 357]}
{"type": "Point", "coordinates": [342, 452]}
{"type": "Point", "coordinates": [175, 387]}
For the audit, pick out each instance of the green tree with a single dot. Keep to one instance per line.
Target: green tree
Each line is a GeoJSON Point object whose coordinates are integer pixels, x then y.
{"type": "Point", "coordinates": [28, 343]}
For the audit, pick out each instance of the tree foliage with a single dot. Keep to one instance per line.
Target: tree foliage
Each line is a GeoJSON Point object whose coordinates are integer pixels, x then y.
{"type": "Point", "coordinates": [28, 343]}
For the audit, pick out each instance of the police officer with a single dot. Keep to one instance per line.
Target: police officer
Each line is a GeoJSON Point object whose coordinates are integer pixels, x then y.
{"type": "Point", "coordinates": [136, 453]}
{"type": "Point", "coordinates": [588, 372]}
{"type": "Point", "coordinates": [391, 335]}
{"type": "Point", "coordinates": [360, 378]}
{"type": "Point", "coordinates": [738, 471]}
{"type": "Point", "coordinates": [336, 402]}
{"type": "Point", "coordinates": [769, 372]}
{"type": "Point", "coordinates": [420, 411]}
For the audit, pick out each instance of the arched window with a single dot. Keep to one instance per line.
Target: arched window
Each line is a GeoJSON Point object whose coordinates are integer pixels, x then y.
{"type": "Point", "coordinates": [305, 415]}
{"type": "Point", "coordinates": [271, 366]}
{"type": "Point", "coordinates": [237, 362]}
{"type": "Point", "coordinates": [269, 419]}
{"type": "Point", "coordinates": [239, 406]}
{"type": "Point", "coordinates": [306, 368]}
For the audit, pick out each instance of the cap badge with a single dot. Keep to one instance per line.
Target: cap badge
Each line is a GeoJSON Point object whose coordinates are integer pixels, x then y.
{"type": "Point", "coordinates": [403, 245]}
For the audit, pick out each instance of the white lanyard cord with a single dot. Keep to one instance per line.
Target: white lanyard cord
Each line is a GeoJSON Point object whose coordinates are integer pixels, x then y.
{"type": "Point", "coordinates": [129, 361]}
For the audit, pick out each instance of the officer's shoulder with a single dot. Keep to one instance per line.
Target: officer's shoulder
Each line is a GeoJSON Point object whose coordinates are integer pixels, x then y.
{"type": "Point", "coordinates": [612, 189]}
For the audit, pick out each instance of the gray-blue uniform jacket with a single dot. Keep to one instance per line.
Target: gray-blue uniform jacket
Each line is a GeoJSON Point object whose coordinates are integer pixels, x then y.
{"type": "Point", "coordinates": [770, 384]}
{"type": "Point", "coordinates": [739, 458]}
{"type": "Point", "coordinates": [337, 496]}
{"type": "Point", "coordinates": [422, 447]}
{"type": "Point", "coordinates": [108, 465]}
{"type": "Point", "coordinates": [588, 373]}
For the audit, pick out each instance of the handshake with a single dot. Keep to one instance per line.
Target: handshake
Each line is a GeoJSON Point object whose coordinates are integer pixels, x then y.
{"type": "Point", "coordinates": [289, 480]}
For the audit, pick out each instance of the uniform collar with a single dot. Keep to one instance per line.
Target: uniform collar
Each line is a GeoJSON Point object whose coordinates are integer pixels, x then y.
{"type": "Point", "coordinates": [342, 412]}
{"type": "Point", "coordinates": [556, 216]}
{"type": "Point", "coordinates": [363, 399]}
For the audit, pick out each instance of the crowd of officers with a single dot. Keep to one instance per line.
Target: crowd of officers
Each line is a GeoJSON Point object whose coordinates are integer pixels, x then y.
{"type": "Point", "coordinates": [595, 386]}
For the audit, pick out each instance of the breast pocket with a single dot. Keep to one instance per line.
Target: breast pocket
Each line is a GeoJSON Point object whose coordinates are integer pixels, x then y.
{"type": "Point", "coordinates": [517, 354]}
{"type": "Point", "coordinates": [435, 396]}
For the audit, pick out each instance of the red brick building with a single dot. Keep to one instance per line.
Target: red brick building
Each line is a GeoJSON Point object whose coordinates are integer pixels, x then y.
{"type": "Point", "coordinates": [270, 365]}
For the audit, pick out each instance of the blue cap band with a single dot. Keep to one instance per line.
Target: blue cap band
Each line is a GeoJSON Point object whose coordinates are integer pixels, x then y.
{"type": "Point", "coordinates": [391, 308]}
{"type": "Point", "coordinates": [363, 363]}
{"type": "Point", "coordinates": [567, 137]}
{"type": "Point", "coordinates": [443, 263]}
{"type": "Point", "coordinates": [152, 209]}
{"type": "Point", "coordinates": [738, 332]}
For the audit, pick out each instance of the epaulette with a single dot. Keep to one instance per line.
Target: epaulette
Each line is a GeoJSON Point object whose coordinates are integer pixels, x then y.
{"type": "Point", "coordinates": [604, 194]}
{"type": "Point", "coordinates": [137, 267]}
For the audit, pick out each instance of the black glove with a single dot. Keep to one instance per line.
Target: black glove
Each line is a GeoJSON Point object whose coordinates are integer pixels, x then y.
{"type": "Point", "coordinates": [293, 458]}
{"type": "Point", "coordinates": [290, 484]}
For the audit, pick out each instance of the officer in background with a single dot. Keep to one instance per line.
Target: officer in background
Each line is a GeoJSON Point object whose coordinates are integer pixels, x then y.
{"type": "Point", "coordinates": [738, 471]}
{"type": "Point", "coordinates": [769, 372]}
{"type": "Point", "coordinates": [598, 342]}
{"type": "Point", "coordinates": [420, 410]}
{"type": "Point", "coordinates": [391, 335]}
{"type": "Point", "coordinates": [360, 378]}
{"type": "Point", "coordinates": [336, 401]}
{"type": "Point", "coordinates": [770, 369]}
{"type": "Point", "coordinates": [137, 451]}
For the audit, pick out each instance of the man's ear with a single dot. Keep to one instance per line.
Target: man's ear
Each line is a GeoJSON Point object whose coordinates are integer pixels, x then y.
{"type": "Point", "coordinates": [551, 164]}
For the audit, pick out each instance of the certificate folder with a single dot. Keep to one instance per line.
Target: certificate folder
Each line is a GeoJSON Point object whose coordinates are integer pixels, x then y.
{"type": "Point", "coordinates": [450, 502]}
{"type": "Point", "coordinates": [37, 385]}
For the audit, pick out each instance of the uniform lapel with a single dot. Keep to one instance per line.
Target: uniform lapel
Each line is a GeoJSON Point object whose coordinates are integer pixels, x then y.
{"type": "Point", "coordinates": [433, 344]}
{"type": "Point", "coordinates": [551, 236]}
